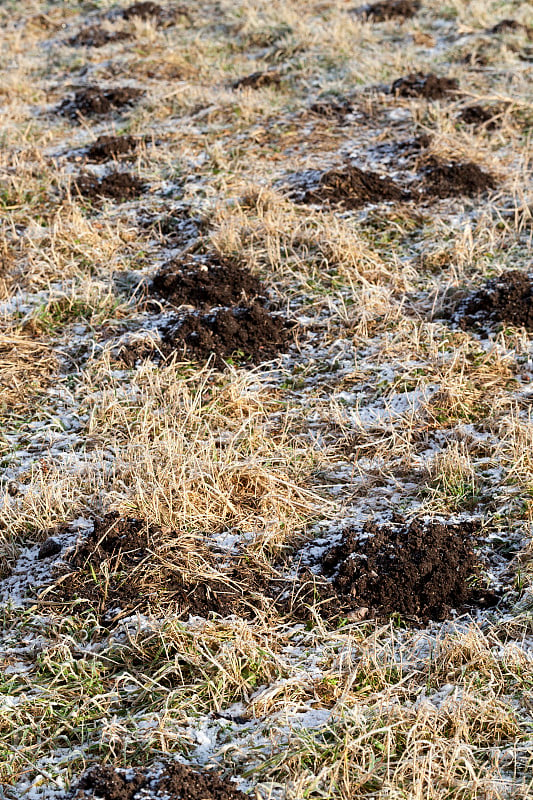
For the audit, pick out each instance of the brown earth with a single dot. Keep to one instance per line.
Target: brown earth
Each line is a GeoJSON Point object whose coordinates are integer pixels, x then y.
{"type": "Point", "coordinates": [389, 9]}
{"type": "Point", "coordinates": [258, 80]}
{"type": "Point", "coordinates": [429, 86]}
{"type": "Point", "coordinates": [116, 185]}
{"type": "Point", "coordinates": [511, 25]}
{"type": "Point", "coordinates": [507, 299]}
{"type": "Point", "coordinates": [245, 334]}
{"type": "Point", "coordinates": [455, 179]}
{"type": "Point", "coordinates": [128, 566]}
{"type": "Point", "coordinates": [178, 782]}
{"type": "Point", "coordinates": [352, 188]}
{"type": "Point", "coordinates": [331, 108]}
{"type": "Point", "coordinates": [149, 10]}
{"type": "Point", "coordinates": [487, 116]}
{"type": "Point", "coordinates": [420, 570]}
{"type": "Point", "coordinates": [108, 147]}
{"type": "Point", "coordinates": [96, 36]}
{"type": "Point", "coordinates": [93, 100]}
{"type": "Point", "coordinates": [205, 282]}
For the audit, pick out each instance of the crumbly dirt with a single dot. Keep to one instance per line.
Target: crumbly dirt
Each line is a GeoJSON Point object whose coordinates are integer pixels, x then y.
{"type": "Point", "coordinates": [245, 335]}
{"type": "Point", "coordinates": [430, 86]}
{"type": "Point", "coordinates": [488, 117]}
{"type": "Point", "coordinates": [389, 9]}
{"type": "Point", "coordinates": [96, 36]}
{"type": "Point", "coordinates": [352, 188]}
{"type": "Point", "coordinates": [452, 179]}
{"type": "Point", "coordinates": [421, 570]}
{"type": "Point", "coordinates": [177, 782]}
{"type": "Point", "coordinates": [116, 185]}
{"type": "Point", "coordinates": [507, 299]}
{"type": "Point", "coordinates": [510, 25]}
{"type": "Point", "coordinates": [205, 282]}
{"type": "Point", "coordinates": [112, 572]}
{"type": "Point", "coordinates": [108, 147]}
{"type": "Point", "coordinates": [258, 80]}
{"type": "Point", "coordinates": [95, 101]}
{"type": "Point", "coordinates": [331, 108]}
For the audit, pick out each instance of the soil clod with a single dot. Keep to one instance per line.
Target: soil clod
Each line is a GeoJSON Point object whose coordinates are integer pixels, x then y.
{"type": "Point", "coordinates": [205, 282]}
{"type": "Point", "coordinates": [421, 569]}
{"type": "Point", "coordinates": [389, 9]}
{"type": "Point", "coordinates": [93, 100]}
{"type": "Point", "coordinates": [353, 188]}
{"type": "Point", "coordinates": [96, 36]}
{"type": "Point", "coordinates": [108, 147]}
{"type": "Point", "coordinates": [507, 299]}
{"type": "Point", "coordinates": [176, 782]}
{"type": "Point", "coordinates": [51, 547]}
{"type": "Point", "coordinates": [429, 86]}
{"type": "Point", "coordinates": [258, 80]}
{"type": "Point", "coordinates": [453, 179]}
{"type": "Point", "coordinates": [116, 185]}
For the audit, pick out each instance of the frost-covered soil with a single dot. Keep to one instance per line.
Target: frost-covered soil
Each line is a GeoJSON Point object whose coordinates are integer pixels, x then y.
{"type": "Point", "coordinates": [381, 405]}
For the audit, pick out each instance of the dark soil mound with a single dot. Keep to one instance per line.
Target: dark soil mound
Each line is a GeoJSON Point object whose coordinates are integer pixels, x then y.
{"type": "Point", "coordinates": [420, 570]}
{"type": "Point", "coordinates": [205, 282]}
{"type": "Point", "coordinates": [127, 566]}
{"type": "Point", "coordinates": [144, 10]}
{"type": "Point", "coordinates": [117, 186]}
{"type": "Point", "coordinates": [257, 80]}
{"type": "Point", "coordinates": [107, 147]}
{"type": "Point", "coordinates": [247, 334]}
{"type": "Point", "coordinates": [456, 179]}
{"type": "Point", "coordinates": [177, 782]}
{"type": "Point", "coordinates": [331, 109]}
{"type": "Point", "coordinates": [353, 188]}
{"type": "Point", "coordinates": [430, 86]}
{"type": "Point", "coordinates": [95, 36]}
{"type": "Point", "coordinates": [510, 25]}
{"type": "Point", "coordinates": [389, 9]}
{"type": "Point", "coordinates": [486, 116]}
{"type": "Point", "coordinates": [94, 101]}
{"type": "Point", "coordinates": [507, 299]}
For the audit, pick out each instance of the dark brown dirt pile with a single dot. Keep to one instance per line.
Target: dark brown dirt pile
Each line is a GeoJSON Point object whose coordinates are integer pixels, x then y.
{"type": "Point", "coordinates": [116, 185]}
{"type": "Point", "coordinates": [481, 116]}
{"type": "Point", "coordinates": [93, 100]}
{"type": "Point", "coordinates": [420, 570]}
{"type": "Point", "coordinates": [352, 188]}
{"type": "Point", "coordinates": [430, 86]}
{"type": "Point", "coordinates": [454, 179]}
{"type": "Point", "coordinates": [205, 282]}
{"type": "Point", "coordinates": [331, 109]}
{"type": "Point", "coordinates": [126, 565]}
{"type": "Point", "coordinates": [258, 80]}
{"type": "Point", "coordinates": [96, 36]}
{"type": "Point", "coordinates": [389, 9]}
{"type": "Point", "coordinates": [177, 782]}
{"type": "Point", "coordinates": [108, 147]}
{"type": "Point", "coordinates": [244, 335]}
{"type": "Point", "coordinates": [144, 10]}
{"type": "Point", "coordinates": [507, 299]}
{"type": "Point", "coordinates": [511, 25]}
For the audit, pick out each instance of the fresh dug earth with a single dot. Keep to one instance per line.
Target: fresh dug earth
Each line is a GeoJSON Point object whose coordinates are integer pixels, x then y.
{"type": "Point", "coordinates": [108, 147]}
{"type": "Point", "coordinates": [507, 299]}
{"type": "Point", "coordinates": [331, 109]}
{"type": "Point", "coordinates": [205, 282]}
{"type": "Point", "coordinates": [149, 10]}
{"type": "Point", "coordinates": [456, 179]}
{"type": "Point", "coordinates": [477, 115]}
{"type": "Point", "coordinates": [93, 101]}
{"type": "Point", "coordinates": [420, 570]}
{"type": "Point", "coordinates": [510, 25]}
{"type": "Point", "coordinates": [117, 186]}
{"type": "Point", "coordinates": [123, 567]}
{"type": "Point", "coordinates": [177, 782]}
{"type": "Point", "coordinates": [390, 9]}
{"type": "Point", "coordinates": [430, 86]}
{"type": "Point", "coordinates": [354, 188]}
{"type": "Point", "coordinates": [245, 334]}
{"type": "Point", "coordinates": [95, 36]}
{"type": "Point", "coordinates": [258, 80]}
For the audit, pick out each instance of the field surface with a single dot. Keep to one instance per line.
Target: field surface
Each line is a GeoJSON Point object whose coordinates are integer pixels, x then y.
{"type": "Point", "coordinates": [266, 387]}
